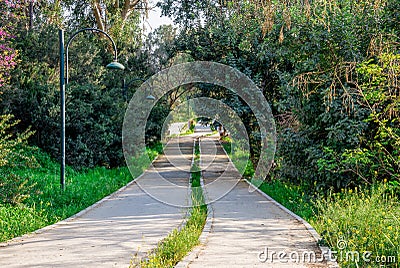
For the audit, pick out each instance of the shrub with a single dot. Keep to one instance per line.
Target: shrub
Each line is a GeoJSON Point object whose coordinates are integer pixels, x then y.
{"type": "Point", "coordinates": [13, 188]}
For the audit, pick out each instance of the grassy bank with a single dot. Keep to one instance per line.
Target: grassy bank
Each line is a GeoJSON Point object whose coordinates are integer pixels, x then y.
{"type": "Point", "coordinates": [354, 222]}
{"type": "Point", "coordinates": [46, 203]}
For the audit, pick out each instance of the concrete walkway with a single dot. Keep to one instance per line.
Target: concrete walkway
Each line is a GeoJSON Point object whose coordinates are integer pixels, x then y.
{"type": "Point", "coordinates": [248, 230]}
{"type": "Point", "coordinates": [127, 224]}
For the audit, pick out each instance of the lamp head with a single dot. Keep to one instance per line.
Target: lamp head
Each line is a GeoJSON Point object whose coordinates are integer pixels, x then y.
{"type": "Point", "coordinates": [115, 65]}
{"type": "Point", "coordinates": [150, 97]}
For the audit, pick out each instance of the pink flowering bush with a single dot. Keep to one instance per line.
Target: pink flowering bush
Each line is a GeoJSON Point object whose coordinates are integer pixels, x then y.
{"type": "Point", "coordinates": [9, 14]}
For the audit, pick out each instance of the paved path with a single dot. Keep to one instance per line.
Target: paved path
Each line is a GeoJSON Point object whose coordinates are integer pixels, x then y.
{"type": "Point", "coordinates": [109, 235]}
{"type": "Point", "coordinates": [131, 222]}
{"type": "Point", "coordinates": [246, 224]}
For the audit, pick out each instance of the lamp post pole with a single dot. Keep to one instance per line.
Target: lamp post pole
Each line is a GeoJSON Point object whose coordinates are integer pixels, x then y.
{"type": "Point", "coordinates": [64, 82]}
{"type": "Point", "coordinates": [188, 112]}
{"type": "Point", "coordinates": [62, 95]}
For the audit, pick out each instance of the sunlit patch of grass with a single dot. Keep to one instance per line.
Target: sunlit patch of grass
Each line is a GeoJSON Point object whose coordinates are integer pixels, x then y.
{"type": "Point", "coordinates": [354, 222]}
{"type": "Point", "coordinates": [239, 157]}
{"type": "Point", "coordinates": [16, 220]}
{"type": "Point", "coordinates": [366, 221]}
{"type": "Point", "coordinates": [293, 197]}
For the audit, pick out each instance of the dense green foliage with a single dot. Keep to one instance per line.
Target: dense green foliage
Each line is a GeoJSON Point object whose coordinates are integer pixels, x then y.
{"type": "Point", "coordinates": [93, 118]}
{"type": "Point", "coordinates": [95, 99]}
{"type": "Point", "coordinates": [329, 69]}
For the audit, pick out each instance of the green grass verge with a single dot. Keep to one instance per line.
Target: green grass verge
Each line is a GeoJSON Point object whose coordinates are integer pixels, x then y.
{"type": "Point", "coordinates": [180, 242]}
{"type": "Point", "coordinates": [352, 222]}
{"type": "Point", "coordinates": [293, 197]}
{"type": "Point", "coordinates": [47, 204]}
{"type": "Point", "coordinates": [364, 220]}
{"type": "Point", "coordinates": [226, 142]}
{"type": "Point", "coordinates": [239, 158]}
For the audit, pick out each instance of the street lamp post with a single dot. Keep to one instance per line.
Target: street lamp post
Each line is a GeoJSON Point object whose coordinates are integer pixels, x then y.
{"type": "Point", "coordinates": [64, 82]}
{"type": "Point", "coordinates": [188, 112]}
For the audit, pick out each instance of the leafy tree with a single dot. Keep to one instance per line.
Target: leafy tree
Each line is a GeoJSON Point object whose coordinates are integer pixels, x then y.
{"type": "Point", "coordinates": [159, 47]}
{"type": "Point", "coordinates": [118, 18]}
{"type": "Point", "coordinates": [305, 57]}
{"type": "Point", "coordinates": [377, 156]}
{"type": "Point", "coordinates": [330, 114]}
{"type": "Point", "coordinates": [95, 104]}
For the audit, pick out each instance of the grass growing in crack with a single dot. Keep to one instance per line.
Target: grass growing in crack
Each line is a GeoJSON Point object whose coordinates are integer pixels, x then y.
{"type": "Point", "coordinates": [179, 243]}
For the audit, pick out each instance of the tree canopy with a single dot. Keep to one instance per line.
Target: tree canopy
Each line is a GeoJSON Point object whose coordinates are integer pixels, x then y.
{"type": "Point", "coordinates": [329, 70]}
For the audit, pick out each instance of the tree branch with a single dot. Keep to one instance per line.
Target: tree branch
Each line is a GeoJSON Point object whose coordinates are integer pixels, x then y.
{"type": "Point", "coordinates": [97, 14]}
{"type": "Point", "coordinates": [128, 6]}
